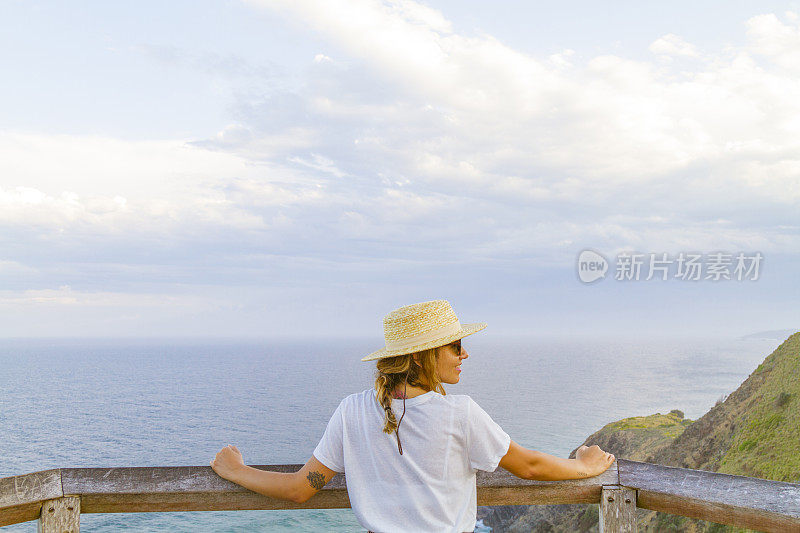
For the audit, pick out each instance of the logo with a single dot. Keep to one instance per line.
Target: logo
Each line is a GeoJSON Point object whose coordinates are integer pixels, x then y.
{"type": "Point", "coordinates": [717, 266]}
{"type": "Point", "coordinates": [591, 266]}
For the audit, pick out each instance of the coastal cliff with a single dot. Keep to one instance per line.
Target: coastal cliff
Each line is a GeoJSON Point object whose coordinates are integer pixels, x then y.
{"type": "Point", "coordinates": [754, 431]}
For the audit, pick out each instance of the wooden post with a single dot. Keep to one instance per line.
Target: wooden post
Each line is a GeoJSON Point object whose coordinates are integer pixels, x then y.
{"type": "Point", "coordinates": [62, 515]}
{"type": "Point", "coordinates": [617, 510]}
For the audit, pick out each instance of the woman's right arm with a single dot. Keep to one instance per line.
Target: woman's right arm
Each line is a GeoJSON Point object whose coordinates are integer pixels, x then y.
{"type": "Point", "coordinates": [529, 464]}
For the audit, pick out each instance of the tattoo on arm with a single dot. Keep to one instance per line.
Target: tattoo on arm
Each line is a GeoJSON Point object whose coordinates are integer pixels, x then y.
{"type": "Point", "coordinates": [316, 480]}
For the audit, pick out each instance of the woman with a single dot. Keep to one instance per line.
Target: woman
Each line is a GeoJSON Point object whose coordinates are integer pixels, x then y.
{"type": "Point", "coordinates": [424, 481]}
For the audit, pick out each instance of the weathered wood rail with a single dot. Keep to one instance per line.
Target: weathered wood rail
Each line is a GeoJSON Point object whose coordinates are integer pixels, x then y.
{"type": "Point", "coordinates": [57, 497]}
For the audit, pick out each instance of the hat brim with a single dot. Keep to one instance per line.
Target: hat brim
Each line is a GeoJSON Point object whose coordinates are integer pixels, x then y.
{"type": "Point", "coordinates": [466, 329]}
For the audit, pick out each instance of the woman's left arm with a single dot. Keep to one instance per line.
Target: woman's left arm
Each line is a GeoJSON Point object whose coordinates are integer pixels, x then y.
{"type": "Point", "coordinates": [293, 486]}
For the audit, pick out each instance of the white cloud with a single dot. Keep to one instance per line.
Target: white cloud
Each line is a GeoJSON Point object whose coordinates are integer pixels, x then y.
{"type": "Point", "coordinates": [117, 186]}
{"type": "Point", "coordinates": [470, 124]}
{"type": "Point", "coordinates": [224, 66]}
{"type": "Point", "coordinates": [673, 45]}
{"type": "Point", "coordinates": [67, 297]}
{"type": "Point", "coordinates": [13, 267]}
{"type": "Point", "coordinates": [90, 164]}
{"type": "Point", "coordinates": [418, 142]}
{"type": "Point", "coordinates": [562, 60]}
{"type": "Point", "coordinates": [777, 41]}
{"type": "Point", "coordinates": [610, 121]}
{"type": "Point", "coordinates": [321, 163]}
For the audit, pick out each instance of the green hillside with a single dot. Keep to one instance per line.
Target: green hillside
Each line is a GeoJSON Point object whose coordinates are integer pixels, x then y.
{"type": "Point", "coordinates": [754, 432]}
{"type": "Point", "coordinates": [766, 441]}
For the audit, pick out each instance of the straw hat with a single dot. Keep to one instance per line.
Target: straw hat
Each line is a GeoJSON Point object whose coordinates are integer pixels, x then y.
{"type": "Point", "coordinates": [417, 327]}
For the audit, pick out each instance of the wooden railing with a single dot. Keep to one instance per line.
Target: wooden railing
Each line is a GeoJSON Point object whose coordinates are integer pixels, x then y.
{"type": "Point", "coordinates": [56, 498]}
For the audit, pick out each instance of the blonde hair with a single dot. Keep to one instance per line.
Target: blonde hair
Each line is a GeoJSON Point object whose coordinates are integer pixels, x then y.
{"type": "Point", "coordinates": [393, 371]}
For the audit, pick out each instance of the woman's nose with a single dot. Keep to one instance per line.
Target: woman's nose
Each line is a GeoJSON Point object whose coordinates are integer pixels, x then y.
{"type": "Point", "coordinates": [464, 353]}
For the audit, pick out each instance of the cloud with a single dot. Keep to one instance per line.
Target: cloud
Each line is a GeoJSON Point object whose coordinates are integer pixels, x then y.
{"type": "Point", "coordinates": [475, 112]}
{"type": "Point", "coordinates": [321, 163]}
{"type": "Point", "coordinates": [777, 41]}
{"type": "Point", "coordinates": [413, 144]}
{"type": "Point", "coordinates": [673, 45]}
{"type": "Point", "coordinates": [224, 66]}
{"type": "Point", "coordinates": [471, 109]}
{"type": "Point", "coordinates": [65, 296]}
{"type": "Point", "coordinates": [92, 164]}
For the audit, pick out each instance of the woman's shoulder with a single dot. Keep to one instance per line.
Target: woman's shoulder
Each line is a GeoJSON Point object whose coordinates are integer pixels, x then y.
{"type": "Point", "coordinates": [459, 401]}
{"type": "Point", "coordinates": [465, 404]}
{"type": "Point", "coordinates": [357, 398]}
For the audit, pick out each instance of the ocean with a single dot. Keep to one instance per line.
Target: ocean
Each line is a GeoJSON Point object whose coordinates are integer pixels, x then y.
{"type": "Point", "coordinates": [177, 402]}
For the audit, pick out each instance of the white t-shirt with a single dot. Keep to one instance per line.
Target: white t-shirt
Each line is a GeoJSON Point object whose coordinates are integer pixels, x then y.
{"type": "Point", "coordinates": [431, 487]}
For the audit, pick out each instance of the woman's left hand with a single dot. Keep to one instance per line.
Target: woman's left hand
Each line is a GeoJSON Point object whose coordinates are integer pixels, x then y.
{"type": "Point", "coordinates": [227, 461]}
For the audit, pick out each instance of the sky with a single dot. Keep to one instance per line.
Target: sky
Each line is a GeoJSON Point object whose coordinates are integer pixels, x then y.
{"type": "Point", "coordinates": [293, 168]}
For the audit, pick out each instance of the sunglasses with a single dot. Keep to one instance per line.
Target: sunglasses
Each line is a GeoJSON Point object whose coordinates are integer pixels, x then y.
{"type": "Point", "coordinates": [457, 347]}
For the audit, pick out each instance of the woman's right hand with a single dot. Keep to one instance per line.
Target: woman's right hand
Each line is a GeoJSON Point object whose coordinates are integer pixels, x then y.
{"type": "Point", "coordinates": [594, 459]}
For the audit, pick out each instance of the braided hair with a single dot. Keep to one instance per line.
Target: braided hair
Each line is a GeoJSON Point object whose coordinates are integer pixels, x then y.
{"type": "Point", "coordinates": [417, 369]}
